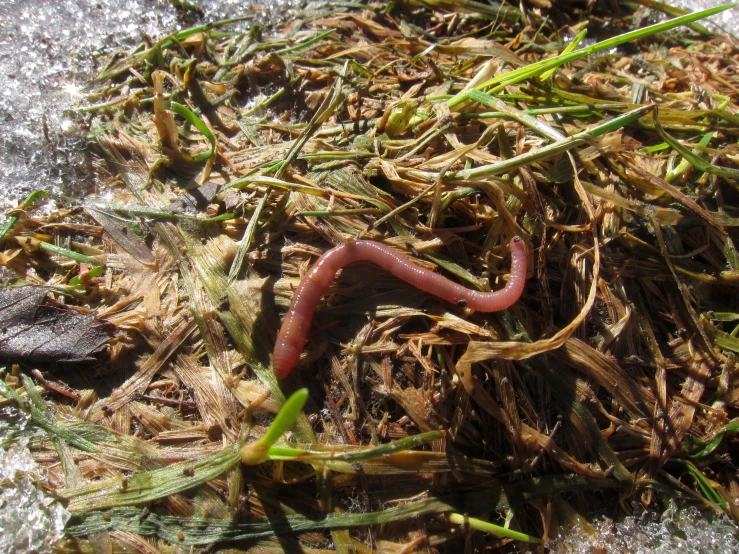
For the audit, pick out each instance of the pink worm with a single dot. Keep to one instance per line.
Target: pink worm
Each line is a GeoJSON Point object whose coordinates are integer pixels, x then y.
{"type": "Point", "coordinates": [295, 326]}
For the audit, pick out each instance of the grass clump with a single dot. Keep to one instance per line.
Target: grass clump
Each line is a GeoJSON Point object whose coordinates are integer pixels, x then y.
{"type": "Point", "coordinates": [236, 155]}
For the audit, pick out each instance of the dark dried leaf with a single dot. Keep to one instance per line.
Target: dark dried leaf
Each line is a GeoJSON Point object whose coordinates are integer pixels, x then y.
{"type": "Point", "coordinates": [195, 199]}
{"type": "Point", "coordinates": [37, 330]}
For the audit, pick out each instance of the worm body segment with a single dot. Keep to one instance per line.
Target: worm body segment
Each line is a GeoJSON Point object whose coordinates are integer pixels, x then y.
{"type": "Point", "coordinates": [295, 326]}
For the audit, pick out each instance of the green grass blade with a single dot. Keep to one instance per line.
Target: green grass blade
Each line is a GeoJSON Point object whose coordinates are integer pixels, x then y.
{"type": "Point", "coordinates": [536, 125]}
{"type": "Point", "coordinates": [307, 43]}
{"type": "Point", "coordinates": [67, 253]}
{"type": "Point", "coordinates": [42, 419]}
{"type": "Point", "coordinates": [551, 149]}
{"type": "Point", "coordinates": [251, 230]}
{"type": "Point", "coordinates": [569, 48]}
{"type": "Point", "coordinates": [720, 338]}
{"type": "Point", "coordinates": [193, 531]}
{"type": "Point", "coordinates": [497, 530]}
{"type": "Point", "coordinates": [536, 69]}
{"type": "Point", "coordinates": [9, 223]}
{"type": "Point", "coordinates": [200, 125]}
{"type": "Point", "coordinates": [161, 214]}
{"type": "Point", "coordinates": [694, 159]}
{"type": "Point", "coordinates": [257, 452]}
{"type": "Point", "coordinates": [152, 485]}
{"type": "Point", "coordinates": [731, 427]}
{"type": "Point", "coordinates": [705, 485]}
{"type": "Point", "coordinates": [309, 456]}
{"type": "Point", "coordinates": [286, 417]}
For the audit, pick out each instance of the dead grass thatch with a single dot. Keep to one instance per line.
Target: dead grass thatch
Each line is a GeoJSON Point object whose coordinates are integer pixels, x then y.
{"type": "Point", "coordinates": [234, 158]}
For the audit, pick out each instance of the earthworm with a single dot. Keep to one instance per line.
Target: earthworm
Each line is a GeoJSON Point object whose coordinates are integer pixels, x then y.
{"type": "Point", "coordinates": [295, 326]}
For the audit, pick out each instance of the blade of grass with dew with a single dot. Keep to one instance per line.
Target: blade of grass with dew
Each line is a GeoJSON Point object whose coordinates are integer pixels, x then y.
{"type": "Point", "coordinates": [536, 69]}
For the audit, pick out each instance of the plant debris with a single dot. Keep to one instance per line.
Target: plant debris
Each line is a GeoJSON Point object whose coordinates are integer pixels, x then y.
{"type": "Point", "coordinates": [235, 157]}
{"type": "Point", "coordinates": [38, 331]}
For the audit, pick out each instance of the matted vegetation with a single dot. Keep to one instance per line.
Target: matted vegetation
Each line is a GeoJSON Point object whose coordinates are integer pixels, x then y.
{"type": "Point", "coordinates": [230, 159]}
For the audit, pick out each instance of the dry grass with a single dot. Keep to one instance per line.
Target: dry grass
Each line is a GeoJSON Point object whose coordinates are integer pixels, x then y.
{"type": "Point", "coordinates": [612, 375]}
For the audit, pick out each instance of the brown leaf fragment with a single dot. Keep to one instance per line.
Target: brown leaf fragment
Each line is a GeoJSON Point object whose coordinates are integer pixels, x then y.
{"type": "Point", "coordinates": [197, 199]}
{"type": "Point", "coordinates": [38, 331]}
